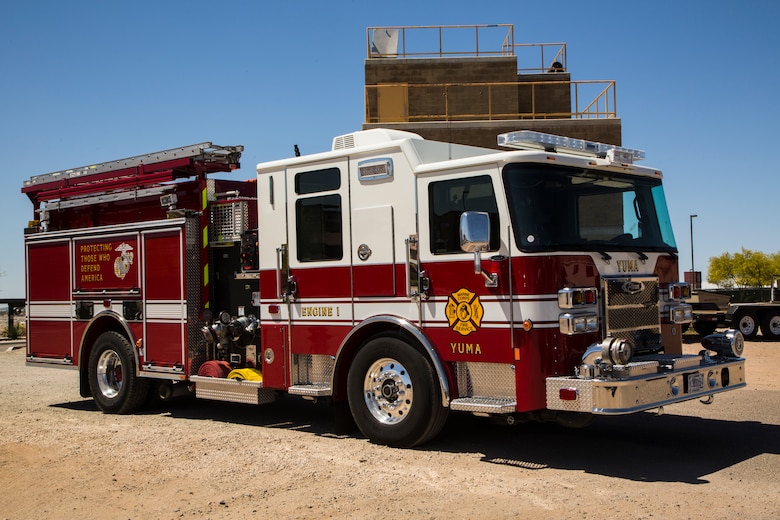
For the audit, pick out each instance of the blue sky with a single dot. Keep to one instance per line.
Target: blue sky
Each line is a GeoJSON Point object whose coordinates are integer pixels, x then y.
{"type": "Point", "coordinates": [90, 81]}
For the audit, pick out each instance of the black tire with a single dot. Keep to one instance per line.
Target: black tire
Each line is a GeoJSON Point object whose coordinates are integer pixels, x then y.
{"type": "Point", "coordinates": [394, 394]}
{"type": "Point", "coordinates": [770, 325]}
{"type": "Point", "coordinates": [112, 380]}
{"type": "Point", "coordinates": [747, 324]}
{"type": "Point", "coordinates": [704, 328]}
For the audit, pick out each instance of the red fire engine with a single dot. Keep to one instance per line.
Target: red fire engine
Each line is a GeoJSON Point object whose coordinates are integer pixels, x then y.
{"type": "Point", "coordinates": [399, 277]}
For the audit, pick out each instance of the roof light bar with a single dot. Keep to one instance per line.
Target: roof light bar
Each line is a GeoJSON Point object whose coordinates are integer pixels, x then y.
{"type": "Point", "coordinates": [525, 139]}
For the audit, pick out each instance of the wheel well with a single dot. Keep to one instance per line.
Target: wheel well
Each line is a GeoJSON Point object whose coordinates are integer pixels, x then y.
{"type": "Point", "coordinates": [372, 329]}
{"type": "Point", "coordinates": [96, 327]}
{"type": "Point", "coordinates": [739, 312]}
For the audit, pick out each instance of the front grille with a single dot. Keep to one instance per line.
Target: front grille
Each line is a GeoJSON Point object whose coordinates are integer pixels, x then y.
{"type": "Point", "coordinates": [632, 311]}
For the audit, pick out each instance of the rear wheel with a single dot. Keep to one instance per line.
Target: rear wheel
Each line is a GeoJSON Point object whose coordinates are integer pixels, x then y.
{"type": "Point", "coordinates": [770, 325]}
{"type": "Point", "coordinates": [747, 324]}
{"type": "Point", "coordinates": [394, 394]}
{"type": "Point", "coordinates": [112, 380]}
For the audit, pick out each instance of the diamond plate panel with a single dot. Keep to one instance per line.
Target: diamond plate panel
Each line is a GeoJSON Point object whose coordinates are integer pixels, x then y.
{"type": "Point", "coordinates": [313, 369]}
{"type": "Point", "coordinates": [491, 405]}
{"type": "Point", "coordinates": [485, 380]}
{"type": "Point", "coordinates": [232, 390]}
{"type": "Point", "coordinates": [584, 402]}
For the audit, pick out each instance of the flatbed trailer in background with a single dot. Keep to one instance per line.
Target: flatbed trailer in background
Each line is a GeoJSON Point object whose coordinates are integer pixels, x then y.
{"type": "Point", "coordinates": [748, 318]}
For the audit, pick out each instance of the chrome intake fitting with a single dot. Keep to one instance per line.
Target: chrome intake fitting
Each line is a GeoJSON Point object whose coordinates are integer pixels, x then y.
{"type": "Point", "coordinates": [730, 343]}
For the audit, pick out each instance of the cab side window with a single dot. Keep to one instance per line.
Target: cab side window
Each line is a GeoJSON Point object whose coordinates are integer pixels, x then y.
{"type": "Point", "coordinates": [447, 200]}
{"type": "Point", "coordinates": [318, 218]}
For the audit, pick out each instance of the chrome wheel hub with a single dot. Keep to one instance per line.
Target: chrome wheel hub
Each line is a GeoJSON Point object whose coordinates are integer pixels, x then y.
{"type": "Point", "coordinates": [387, 389]}
{"type": "Point", "coordinates": [774, 325]}
{"type": "Point", "coordinates": [109, 373]}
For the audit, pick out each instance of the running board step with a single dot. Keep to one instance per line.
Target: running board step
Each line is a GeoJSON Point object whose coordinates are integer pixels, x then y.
{"type": "Point", "coordinates": [490, 405]}
{"type": "Point", "coordinates": [232, 390]}
{"type": "Point", "coordinates": [311, 390]}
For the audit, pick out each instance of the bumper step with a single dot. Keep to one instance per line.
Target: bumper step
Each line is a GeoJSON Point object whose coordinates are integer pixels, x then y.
{"type": "Point", "coordinates": [490, 405]}
{"type": "Point", "coordinates": [311, 390]}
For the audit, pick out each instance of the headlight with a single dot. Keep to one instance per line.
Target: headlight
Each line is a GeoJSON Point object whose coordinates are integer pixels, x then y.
{"type": "Point", "coordinates": [571, 323]}
{"type": "Point", "coordinates": [682, 313]}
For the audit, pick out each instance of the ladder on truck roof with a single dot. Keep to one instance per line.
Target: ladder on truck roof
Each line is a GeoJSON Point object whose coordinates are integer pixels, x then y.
{"type": "Point", "coordinates": [133, 173]}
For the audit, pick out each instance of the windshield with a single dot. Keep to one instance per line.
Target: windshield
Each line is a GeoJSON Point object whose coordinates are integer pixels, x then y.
{"type": "Point", "coordinates": [557, 208]}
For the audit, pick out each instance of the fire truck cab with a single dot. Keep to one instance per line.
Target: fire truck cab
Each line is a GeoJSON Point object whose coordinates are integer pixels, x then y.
{"type": "Point", "coordinates": [398, 276]}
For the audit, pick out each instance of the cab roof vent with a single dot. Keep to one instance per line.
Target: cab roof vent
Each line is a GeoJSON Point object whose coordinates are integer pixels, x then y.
{"type": "Point", "coordinates": [370, 137]}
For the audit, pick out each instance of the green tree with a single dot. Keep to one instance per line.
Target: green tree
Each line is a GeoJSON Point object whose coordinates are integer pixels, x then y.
{"type": "Point", "coordinates": [744, 269]}
{"type": "Point", "coordinates": [722, 271]}
{"type": "Point", "coordinates": [775, 260]}
{"type": "Point", "coordinates": [755, 268]}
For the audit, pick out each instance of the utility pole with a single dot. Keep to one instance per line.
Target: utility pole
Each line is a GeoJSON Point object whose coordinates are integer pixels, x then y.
{"type": "Point", "coordinates": [693, 270]}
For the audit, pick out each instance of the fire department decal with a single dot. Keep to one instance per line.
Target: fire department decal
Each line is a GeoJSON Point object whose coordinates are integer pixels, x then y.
{"type": "Point", "coordinates": [464, 312]}
{"type": "Point", "coordinates": [124, 261]}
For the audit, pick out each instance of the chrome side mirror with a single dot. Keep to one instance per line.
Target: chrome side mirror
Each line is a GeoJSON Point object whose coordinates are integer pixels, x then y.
{"type": "Point", "coordinates": [474, 231]}
{"type": "Point", "coordinates": [475, 238]}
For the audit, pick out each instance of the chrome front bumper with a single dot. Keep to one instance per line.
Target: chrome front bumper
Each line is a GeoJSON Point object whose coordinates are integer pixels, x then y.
{"type": "Point", "coordinates": [648, 382]}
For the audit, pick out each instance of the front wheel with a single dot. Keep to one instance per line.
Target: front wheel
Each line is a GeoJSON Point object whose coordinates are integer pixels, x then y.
{"type": "Point", "coordinates": [747, 324]}
{"type": "Point", "coordinates": [770, 325]}
{"type": "Point", "coordinates": [112, 380]}
{"type": "Point", "coordinates": [394, 394]}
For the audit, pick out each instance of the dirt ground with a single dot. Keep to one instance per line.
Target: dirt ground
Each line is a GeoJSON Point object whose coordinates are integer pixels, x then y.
{"type": "Point", "coordinates": [62, 458]}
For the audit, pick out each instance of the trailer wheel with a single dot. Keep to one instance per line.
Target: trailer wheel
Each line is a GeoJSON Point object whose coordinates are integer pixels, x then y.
{"type": "Point", "coordinates": [747, 324]}
{"type": "Point", "coordinates": [394, 394]}
{"type": "Point", "coordinates": [112, 380]}
{"type": "Point", "coordinates": [770, 325]}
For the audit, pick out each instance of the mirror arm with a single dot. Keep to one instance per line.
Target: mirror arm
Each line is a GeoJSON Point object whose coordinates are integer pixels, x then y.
{"type": "Point", "coordinates": [491, 279]}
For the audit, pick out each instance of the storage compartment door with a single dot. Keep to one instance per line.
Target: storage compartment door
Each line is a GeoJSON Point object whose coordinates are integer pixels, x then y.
{"type": "Point", "coordinates": [50, 311]}
{"type": "Point", "coordinates": [374, 258]}
{"type": "Point", "coordinates": [165, 304]}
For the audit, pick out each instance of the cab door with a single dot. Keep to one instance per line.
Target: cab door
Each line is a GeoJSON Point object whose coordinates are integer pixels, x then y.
{"type": "Point", "coordinates": [305, 279]}
{"type": "Point", "coordinates": [468, 315]}
{"type": "Point", "coordinates": [273, 255]}
{"type": "Point", "coordinates": [320, 278]}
